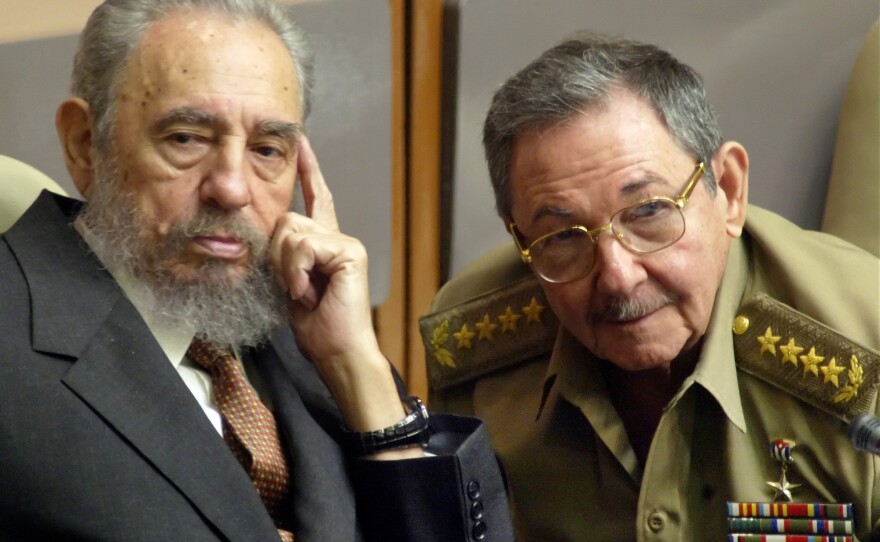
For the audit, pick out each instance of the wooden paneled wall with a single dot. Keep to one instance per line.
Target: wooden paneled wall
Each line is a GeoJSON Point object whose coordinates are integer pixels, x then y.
{"type": "Point", "coordinates": [417, 27]}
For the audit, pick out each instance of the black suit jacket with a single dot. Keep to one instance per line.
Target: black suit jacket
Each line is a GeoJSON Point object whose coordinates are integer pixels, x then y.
{"type": "Point", "coordinates": [100, 439]}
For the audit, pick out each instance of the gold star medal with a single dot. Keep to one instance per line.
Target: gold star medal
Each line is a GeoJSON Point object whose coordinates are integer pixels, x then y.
{"type": "Point", "coordinates": [780, 450]}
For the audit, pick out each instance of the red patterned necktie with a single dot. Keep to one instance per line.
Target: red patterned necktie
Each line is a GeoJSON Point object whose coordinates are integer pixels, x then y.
{"type": "Point", "coordinates": [248, 426]}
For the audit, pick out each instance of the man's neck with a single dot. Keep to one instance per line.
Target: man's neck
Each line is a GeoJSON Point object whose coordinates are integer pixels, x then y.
{"type": "Point", "coordinates": [640, 397]}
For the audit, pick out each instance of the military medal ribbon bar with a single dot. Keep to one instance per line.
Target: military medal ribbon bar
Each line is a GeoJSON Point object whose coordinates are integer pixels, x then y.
{"type": "Point", "coordinates": [792, 526]}
{"type": "Point", "coordinates": [789, 510]}
{"type": "Point", "coordinates": [786, 538]}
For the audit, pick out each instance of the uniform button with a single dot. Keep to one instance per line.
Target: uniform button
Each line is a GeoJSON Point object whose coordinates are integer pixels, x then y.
{"type": "Point", "coordinates": [657, 521]}
{"type": "Point", "coordinates": [477, 510]}
{"type": "Point", "coordinates": [479, 530]}
{"type": "Point", "coordinates": [741, 324]}
{"type": "Point", "coordinates": [473, 490]}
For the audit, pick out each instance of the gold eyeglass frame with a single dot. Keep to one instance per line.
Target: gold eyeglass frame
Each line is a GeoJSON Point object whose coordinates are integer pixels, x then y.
{"type": "Point", "coordinates": [679, 201]}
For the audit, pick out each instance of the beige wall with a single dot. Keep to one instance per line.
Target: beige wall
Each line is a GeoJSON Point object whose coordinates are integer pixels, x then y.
{"type": "Point", "coordinates": [31, 19]}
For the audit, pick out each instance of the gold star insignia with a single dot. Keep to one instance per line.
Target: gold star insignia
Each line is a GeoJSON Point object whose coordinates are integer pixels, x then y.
{"type": "Point", "coordinates": [783, 488]}
{"type": "Point", "coordinates": [768, 342]}
{"type": "Point", "coordinates": [464, 337]}
{"type": "Point", "coordinates": [508, 320]}
{"type": "Point", "coordinates": [790, 352]}
{"type": "Point", "coordinates": [831, 371]}
{"type": "Point", "coordinates": [533, 311]}
{"type": "Point", "coordinates": [486, 328]}
{"type": "Point", "coordinates": [811, 361]}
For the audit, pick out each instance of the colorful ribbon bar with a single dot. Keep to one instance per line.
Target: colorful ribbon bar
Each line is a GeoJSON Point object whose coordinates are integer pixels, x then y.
{"type": "Point", "coordinates": [790, 526]}
{"type": "Point", "coordinates": [790, 510]}
{"type": "Point", "coordinates": [786, 538]}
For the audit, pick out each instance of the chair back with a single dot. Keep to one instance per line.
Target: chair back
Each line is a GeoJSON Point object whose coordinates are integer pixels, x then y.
{"type": "Point", "coordinates": [20, 184]}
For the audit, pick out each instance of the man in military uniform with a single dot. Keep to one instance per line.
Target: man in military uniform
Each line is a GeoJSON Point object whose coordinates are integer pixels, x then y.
{"type": "Point", "coordinates": [698, 333]}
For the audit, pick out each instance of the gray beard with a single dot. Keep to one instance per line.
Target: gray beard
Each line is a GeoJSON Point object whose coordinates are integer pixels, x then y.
{"type": "Point", "coordinates": [221, 305]}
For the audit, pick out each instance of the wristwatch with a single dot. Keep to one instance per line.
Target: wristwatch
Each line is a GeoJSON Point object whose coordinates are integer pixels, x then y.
{"type": "Point", "coordinates": [413, 429]}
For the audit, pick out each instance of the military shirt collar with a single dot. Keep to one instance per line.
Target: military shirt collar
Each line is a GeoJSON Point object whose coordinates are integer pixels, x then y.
{"type": "Point", "coordinates": [716, 370]}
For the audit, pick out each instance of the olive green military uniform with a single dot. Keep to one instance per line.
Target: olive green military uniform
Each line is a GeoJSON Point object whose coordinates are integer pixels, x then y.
{"type": "Point", "coordinates": [791, 353]}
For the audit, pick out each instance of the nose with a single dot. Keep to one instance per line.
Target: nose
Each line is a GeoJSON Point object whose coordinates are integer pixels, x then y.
{"type": "Point", "coordinates": [616, 269]}
{"type": "Point", "coordinates": [227, 182]}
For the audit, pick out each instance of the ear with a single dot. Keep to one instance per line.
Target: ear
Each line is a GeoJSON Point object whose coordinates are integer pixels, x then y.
{"type": "Point", "coordinates": [731, 167]}
{"type": "Point", "coordinates": [75, 127]}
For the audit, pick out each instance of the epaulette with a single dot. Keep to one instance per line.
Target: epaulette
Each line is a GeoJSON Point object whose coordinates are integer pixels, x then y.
{"type": "Point", "coordinates": [498, 329]}
{"type": "Point", "coordinates": [805, 358]}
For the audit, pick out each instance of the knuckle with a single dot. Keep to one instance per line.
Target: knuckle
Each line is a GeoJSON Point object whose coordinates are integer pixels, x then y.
{"type": "Point", "coordinates": [357, 248]}
{"type": "Point", "coordinates": [305, 243]}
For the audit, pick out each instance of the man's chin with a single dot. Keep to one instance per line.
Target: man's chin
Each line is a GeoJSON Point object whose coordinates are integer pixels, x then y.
{"type": "Point", "coordinates": [640, 363]}
{"type": "Point", "coordinates": [218, 272]}
{"type": "Point", "coordinates": [221, 302]}
{"type": "Point", "coordinates": [637, 354]}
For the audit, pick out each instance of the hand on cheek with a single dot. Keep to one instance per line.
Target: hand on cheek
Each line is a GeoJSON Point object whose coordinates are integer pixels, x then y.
{"type": "Point", "coordinates": [323, 271]}
{"type": "Point", "coordinates": [325, 275]}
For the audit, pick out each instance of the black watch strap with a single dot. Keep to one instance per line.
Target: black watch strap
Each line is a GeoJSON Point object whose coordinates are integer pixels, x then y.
{"type": "Point", "coordinates": [413, 429]}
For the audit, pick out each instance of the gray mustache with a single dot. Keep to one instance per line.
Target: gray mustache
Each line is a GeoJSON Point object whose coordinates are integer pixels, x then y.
{"type": "Point", "coordinates": [622, 309]}
{"type": "Point", "coordinates": [208, 222]}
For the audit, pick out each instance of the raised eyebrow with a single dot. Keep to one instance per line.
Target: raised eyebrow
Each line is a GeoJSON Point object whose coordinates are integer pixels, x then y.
{"type": "Point", "coordinates": [288, 131]}
{"type": "Point", "coordinates": [184, 115]}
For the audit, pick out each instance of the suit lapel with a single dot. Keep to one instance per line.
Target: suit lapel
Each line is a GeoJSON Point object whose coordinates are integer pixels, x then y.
{"type": "Point", "coordinates": [321, 496]}
{"type": "Point", "coordinates": [124, 377]}
{"type": "Point", "coordinates": [119, 370]}
{"type": "Point", "coordinates": [71, 294]}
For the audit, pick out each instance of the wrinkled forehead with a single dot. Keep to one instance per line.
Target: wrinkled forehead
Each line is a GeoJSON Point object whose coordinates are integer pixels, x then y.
{"type": "Point", "coordinates": [597, 159]}
{"type": "Point", "coordinates": [186, 50]}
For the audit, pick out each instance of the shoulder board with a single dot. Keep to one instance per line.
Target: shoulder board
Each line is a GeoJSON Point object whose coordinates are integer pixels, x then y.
{"type": "Point", "coordinates": [498, 329]}
{"type": "Point", "coordinates": [805, 358]}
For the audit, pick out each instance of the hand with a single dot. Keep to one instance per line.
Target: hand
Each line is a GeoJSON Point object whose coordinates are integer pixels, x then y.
{"type": "Point", "coordinates": [325, 275]}
{"type": "Point", "coordinates": [323, 271]}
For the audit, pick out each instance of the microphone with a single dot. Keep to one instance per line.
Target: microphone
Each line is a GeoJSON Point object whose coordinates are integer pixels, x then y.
{"type": "Point", "coordinates": [864, 433]}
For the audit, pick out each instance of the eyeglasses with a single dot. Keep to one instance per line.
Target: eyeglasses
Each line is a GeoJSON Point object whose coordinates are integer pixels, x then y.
{"type": "Point", "coordinates": [647, 226]}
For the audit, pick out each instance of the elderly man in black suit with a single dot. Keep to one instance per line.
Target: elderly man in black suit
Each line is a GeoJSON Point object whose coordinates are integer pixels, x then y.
{"type": "Point", "coordinates": [182, 305]}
